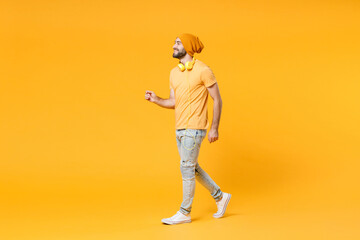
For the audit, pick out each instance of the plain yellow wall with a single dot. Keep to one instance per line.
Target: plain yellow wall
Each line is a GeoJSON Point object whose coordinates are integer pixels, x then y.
{"type": "Point", "coordinates": [76, 133]}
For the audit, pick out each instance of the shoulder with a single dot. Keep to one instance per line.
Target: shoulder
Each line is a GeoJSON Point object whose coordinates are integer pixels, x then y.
{"type": "Point", "coordinates": [206, 74]}
{"type": "Point", "coordinates": [201, 64]}
{"type": "Point", "coordinates": [203, 67]}
{"type": "Point", "coordinates": [174, 69]}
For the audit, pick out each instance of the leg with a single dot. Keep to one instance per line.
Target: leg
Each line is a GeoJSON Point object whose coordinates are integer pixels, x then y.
{"type": "Point", "coordinates": [188, 142]}
{"type": "Point", "coordinates": [208, 183]}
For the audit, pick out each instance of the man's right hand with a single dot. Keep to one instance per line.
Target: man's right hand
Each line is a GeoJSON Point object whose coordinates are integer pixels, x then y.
{"type": "Point", "coordinates": [151, 96]}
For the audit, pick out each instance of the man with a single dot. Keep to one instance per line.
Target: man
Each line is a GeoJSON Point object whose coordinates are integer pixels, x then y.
{"type": "Point", "coordinates": [190, 83]}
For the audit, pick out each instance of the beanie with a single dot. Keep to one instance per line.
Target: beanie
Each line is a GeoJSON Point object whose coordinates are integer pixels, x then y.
{"type": "Point", "coordinates": [191, 43]}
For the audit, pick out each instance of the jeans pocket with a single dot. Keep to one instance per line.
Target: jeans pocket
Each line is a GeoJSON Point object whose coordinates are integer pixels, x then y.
{"type": "Point", "coordinates": [188, 141]}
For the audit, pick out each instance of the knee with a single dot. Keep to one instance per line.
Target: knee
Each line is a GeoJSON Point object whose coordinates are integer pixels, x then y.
{"type": "Point", "coordinates": [187, 171]}
{"type": "Point", "coordinates": [198, 170]}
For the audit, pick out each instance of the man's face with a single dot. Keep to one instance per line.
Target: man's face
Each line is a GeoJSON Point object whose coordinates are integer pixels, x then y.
{"type": "Point", "coordinates": [179, 50]}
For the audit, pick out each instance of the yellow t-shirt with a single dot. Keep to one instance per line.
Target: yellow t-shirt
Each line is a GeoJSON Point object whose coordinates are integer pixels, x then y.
{"type": "Point", "coordinates": [191, 104]}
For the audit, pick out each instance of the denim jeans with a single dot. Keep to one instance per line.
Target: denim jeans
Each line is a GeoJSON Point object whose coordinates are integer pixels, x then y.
{"type": "Point", "coordinates": [188, 143]}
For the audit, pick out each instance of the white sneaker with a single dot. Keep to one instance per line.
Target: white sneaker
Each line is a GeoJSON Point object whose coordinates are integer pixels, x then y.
{"type": "Point", "coordinates": [177, 218]}
{"type": "Point", "coordinates": [222, 204]}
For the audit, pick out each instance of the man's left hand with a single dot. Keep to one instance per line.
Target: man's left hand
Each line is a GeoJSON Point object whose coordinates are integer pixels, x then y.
{"type": "Point", "coordinates": [213, 135]}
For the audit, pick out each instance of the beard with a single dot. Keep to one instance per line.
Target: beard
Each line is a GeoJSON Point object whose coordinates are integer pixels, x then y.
{"type": "Point", "coordinates": [179, 54]}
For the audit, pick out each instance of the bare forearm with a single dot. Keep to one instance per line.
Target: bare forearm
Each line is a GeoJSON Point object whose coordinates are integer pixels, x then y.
{"type": "Point", "coordinates": [165, 103]}
{"type": "Point", "coordinates": [216, 114]}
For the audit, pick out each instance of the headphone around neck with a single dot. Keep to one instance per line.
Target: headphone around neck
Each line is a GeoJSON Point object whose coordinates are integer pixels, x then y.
{"type": "Point", "coordinates": [188, 65]}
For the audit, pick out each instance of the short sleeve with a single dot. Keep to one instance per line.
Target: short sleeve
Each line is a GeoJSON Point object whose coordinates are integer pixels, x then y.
{"type": "Point", "coordinates": [170, 81]}
{"type": "Point", "coordinates": [207, 77]}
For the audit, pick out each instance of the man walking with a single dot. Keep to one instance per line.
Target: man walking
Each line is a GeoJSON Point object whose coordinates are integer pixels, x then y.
{"type": "Point", "coordinates": [190, 83]}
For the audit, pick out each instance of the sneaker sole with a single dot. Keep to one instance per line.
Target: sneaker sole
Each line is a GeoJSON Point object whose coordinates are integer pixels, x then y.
{"type": "Point", "coordinates": [172, 223]}
{"type": "Point", "coordinates": [224, 209]}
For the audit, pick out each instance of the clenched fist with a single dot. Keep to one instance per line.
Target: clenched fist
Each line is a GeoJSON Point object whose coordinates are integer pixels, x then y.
{"type": "Point", "coordinates": [150, 96]}
{"type": "Point", "coordinates": [213, 135]}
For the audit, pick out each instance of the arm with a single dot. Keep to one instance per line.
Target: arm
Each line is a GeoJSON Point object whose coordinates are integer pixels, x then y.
{"type": "Point", "coordinates": [165, 103]}
{"type": "Point", "coordinates": [215, 94]}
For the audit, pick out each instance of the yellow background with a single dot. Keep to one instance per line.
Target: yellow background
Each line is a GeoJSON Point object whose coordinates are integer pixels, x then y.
{"type": "Point", "coordinates": [84, 156]}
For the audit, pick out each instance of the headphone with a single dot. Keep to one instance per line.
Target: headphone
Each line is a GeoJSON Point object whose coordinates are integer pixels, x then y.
{"type": "Point", "coordinates": [188, 66]}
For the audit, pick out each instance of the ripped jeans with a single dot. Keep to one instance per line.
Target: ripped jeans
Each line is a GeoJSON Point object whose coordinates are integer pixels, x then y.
{"type": "Point", "coordinates": [190, 169]}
